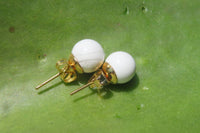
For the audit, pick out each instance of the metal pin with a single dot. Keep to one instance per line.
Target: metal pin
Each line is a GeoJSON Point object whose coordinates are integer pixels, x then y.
{"type": "Point", "coordinates": [77, 90]}
{"type": "Point", "coordinates": [47, 81]}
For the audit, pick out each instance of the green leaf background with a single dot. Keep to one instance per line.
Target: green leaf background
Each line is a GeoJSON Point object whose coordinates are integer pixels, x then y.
{"type": "Point", "coordinates": [162, 36]}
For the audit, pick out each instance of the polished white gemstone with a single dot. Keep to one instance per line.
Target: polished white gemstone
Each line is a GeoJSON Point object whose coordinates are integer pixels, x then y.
{"type": "Point", "coordinates": [89, 54]}
{"type": "Point", "coordinates": [123, 65]}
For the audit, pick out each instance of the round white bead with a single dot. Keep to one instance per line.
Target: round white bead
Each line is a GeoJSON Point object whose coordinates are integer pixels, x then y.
{"type": "Point", "coordinates": [123, 65]}
{"type": "Point", "coordinates": [89, 54]}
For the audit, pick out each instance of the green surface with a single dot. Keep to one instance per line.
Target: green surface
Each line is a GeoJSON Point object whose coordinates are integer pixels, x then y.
{"type": "Point", "coordinates": [162, 36]}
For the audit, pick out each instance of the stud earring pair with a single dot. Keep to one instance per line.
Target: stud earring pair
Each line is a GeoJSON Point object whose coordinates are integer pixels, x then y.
{"type": "Point", "coordinates": [88, 56]}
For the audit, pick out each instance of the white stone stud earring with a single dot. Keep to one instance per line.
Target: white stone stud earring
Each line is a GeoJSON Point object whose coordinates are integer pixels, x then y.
{"type": "Point", "coordinates": [119, 68]}
{"type": "Point", "coordinates": [87, 56]}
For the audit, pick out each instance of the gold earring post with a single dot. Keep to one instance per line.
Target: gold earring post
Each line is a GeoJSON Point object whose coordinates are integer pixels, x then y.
{"type": "Point", "coordinates": [77, 90]}
{"type": "Point", "coordinates": [47, 81]}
